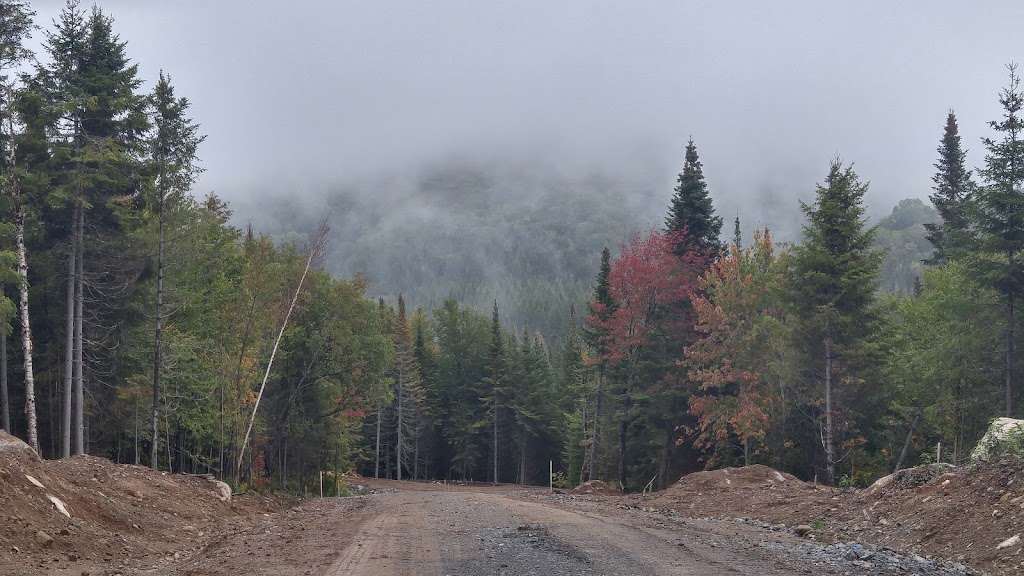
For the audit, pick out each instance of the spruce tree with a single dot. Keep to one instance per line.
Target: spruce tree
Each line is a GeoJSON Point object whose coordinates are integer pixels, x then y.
{"type": "Point", "coordinates": [834, 283]}
{"type": "Point", "coordinates": [172, 155]}
{"type": "Point", "coordinates": [952, 195]}
{"type": "Point", "coordinates": [495, 384]}
{"type": "Point", "coordinates": [999, 214]}
{"type": "Point", "coordinates": [408, 394]}
{"type": "Point", "coordinates": [691, 211]}
{"type": "Point", "coordinates": [599, 310]}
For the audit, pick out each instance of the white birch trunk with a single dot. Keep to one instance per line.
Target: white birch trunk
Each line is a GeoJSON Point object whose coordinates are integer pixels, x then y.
{"type": "Point", "coordinates": [26, 326]}
{"type": "Point", "coordinates": [315, 249]}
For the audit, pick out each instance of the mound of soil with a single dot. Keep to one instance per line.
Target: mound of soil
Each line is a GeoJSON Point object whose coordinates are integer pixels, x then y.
{"type": "Point", "coordinates": [960, 514]}
{"type": "Point", "coordinates": [964, 514]}
{"type": "Point", "coordinates": [598, 488]}
{"type": "Point", "coordinates": [86, 514]}
{"type": "Point", "coordinates": [750, 491]}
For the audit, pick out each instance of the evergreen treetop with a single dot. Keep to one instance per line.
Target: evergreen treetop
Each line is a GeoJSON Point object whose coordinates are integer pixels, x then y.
{"type": "Point", "coordinates": [952, 193]}
{"type": "Point", "coordinates": [835, 268]}
{"type": "Point", "coordinates": [691, 210]}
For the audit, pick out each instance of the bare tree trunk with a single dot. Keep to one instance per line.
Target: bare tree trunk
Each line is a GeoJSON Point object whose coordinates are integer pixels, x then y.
{"type": "Point", "coordinates": [138, 456]}
{"type": "Point", "coordinates": [906, 443]}
{"type": "Point", "coordinates": [158, 332]}
{"type": "Point", "coordinates": [830, 455]}
{"type": "Point", "coordinates": [5, 399]}
{"type": "Point", "coordinates": [495, 438]}
{"type": "Point", "coordinates": [595, 442]}
{"type": "Point", "coordinates": [69, 349]}
{"type": "Point", "coordinates": [666, 455]}
{"type": "Point", "coordinates": [398, 443]}
{"type": "Point", "coordinates": [1009, 348]}
{"type": "Point", "coordinates": [26, 327]}
{"type": "Point", "coordinates": [376, 465]}
{"type": "Point", "coordinates": [79, 388]}
{"type": "Point", "coordinates": [316, 248]}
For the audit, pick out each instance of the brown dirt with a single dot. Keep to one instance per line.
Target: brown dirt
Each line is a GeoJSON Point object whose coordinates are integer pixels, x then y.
{"type": "Point", "coordinates": [961, 515]}
{"type": "Point", "coordinates": [597, 487]}
{"type": "Point", "coordinates": [122, 517]}
{"type": "Point", "coordinates": [130, 520]}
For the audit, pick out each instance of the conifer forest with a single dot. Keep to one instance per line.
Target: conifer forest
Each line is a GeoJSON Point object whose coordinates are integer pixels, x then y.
{"type": "Point", "coordinates": [147, 321]}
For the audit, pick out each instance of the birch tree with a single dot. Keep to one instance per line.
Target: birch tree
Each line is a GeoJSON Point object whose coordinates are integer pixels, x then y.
{"type": "Point", "coordinates": [15, 27]}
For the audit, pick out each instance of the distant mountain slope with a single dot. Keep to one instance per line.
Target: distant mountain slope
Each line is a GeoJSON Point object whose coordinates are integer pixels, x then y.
{"type": "Point", "coordinates": [527, 237]}
{"type": "Point", "coordinates": [530, 240]}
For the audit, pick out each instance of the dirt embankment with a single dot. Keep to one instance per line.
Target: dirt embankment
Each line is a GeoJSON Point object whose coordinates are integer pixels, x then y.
{"type": "Point", "coordinates": [87, 515]}
{"type": "Point", "coordinates": [961, 515]}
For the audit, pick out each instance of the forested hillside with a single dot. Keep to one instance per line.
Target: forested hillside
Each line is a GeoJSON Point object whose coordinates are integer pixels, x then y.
{"type": "Point", "coordinates": [479, 322]}
{"type": "Point", "coordinates": [528, 237]}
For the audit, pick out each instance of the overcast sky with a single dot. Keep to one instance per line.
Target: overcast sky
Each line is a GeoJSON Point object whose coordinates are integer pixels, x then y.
{"type": "Point", "coordinates": [305, 94]}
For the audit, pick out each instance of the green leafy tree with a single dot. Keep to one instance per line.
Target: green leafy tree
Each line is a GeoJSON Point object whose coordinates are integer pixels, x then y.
{"type": "Point", "coordinates": [834, 283]}
{"type": "Point", "coordinates": [739, 316]}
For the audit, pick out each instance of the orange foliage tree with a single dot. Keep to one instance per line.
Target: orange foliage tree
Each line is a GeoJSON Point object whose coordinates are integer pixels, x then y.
{"type": "Point", "coordinates": [739, 317]}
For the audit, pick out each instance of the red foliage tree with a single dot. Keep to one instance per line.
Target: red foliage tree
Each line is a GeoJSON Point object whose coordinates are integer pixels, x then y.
{"type": "Point", "coordinates": [651, 287]}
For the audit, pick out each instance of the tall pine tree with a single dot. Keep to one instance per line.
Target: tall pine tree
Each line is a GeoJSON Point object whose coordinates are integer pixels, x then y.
{"type": "Point", "coordinates": [834, 282]}
{"type": "Point", "coordinates": [691, 210]}
{"type": "Point", "coordinates": [952, 194]}
{"type": "Point", "coordinates": [599, 311]}
{"type": "Point", "coordinates": [1000, 214]}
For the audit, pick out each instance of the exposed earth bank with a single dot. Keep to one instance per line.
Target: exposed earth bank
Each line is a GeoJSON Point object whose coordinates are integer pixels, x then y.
{"type": "Point", "coordinates": [130, 520]}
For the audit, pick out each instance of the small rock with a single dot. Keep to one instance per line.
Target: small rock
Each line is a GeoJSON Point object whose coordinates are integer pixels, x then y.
{"type": "Point", "coordinates": [73, 557]}
{"type": "Point", "coordinates": [883, 521]}
{"type": "Point", "coordinates": [15, 549]}
{"type": "Point", "coordinates": [997, 514]}
{"type": "Point", "coordinates": [65, 532]}
{"type": "Point", "coordinates": [1011, 541]}
{"type": "Point", "coordinates": [189, 529]}
{"type": "Point", "coordinates": [802, 530]}
{"type": "Point", "coordinates": [44, 538]}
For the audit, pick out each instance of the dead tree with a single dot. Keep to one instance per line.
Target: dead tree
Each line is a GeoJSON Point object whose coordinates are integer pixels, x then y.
{"type": "Point", "coordinates": [315, 252]}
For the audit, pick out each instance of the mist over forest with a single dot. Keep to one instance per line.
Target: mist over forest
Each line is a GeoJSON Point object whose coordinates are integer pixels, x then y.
{"type": "Point", "coordinates": [531, 259]}
{"type": "Point", "coordinates": [527, 235]}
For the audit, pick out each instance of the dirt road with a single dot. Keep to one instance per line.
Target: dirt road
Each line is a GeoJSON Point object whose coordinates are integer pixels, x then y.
{"type": "Point", "coordinates": [423, 530]}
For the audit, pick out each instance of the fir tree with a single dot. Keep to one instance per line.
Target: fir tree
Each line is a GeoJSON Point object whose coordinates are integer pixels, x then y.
{"type": "Point", "coordinates": [834, 277]}
{"type": "Point", "coordinates": [737, 235]}
{"type": "Point", "coordinates": [1000, 214]}
{"type": "Point", "coordinates": [952, 194]}
{"type": "Point", "coordinates": [495, 382]}
{"type": "Point", "coordinates": [599, 311]}
{"type": "Point", "coordinates": [691, 211]}
{"type": "Point", "coordinates": [172, 152]}
{"type": "Point", "coordinates": [408, 394]}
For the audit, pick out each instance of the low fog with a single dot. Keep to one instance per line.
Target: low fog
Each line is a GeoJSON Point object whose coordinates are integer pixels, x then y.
{"type": "Point", "coordinates": [297, 98]}
{"type": "Point", "coordinates": [366, 110]}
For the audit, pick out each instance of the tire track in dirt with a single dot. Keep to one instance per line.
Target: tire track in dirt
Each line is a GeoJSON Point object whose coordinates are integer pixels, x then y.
{"type": "Point", "coordinates": [400, 541]}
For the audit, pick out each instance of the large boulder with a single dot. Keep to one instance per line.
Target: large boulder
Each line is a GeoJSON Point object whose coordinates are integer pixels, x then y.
{"type": "Point", "coordinates": [1004, 436]}
{"type": "Point", "coordinates": [13, 445]}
